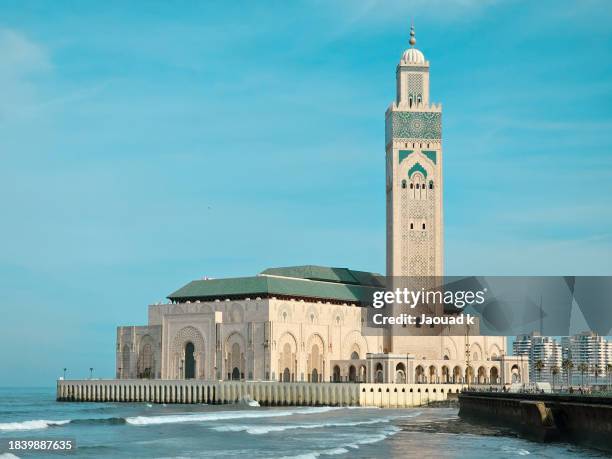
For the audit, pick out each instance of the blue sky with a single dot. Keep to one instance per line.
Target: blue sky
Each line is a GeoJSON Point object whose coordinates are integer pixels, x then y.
{"type": "Point", "coordinates": [149, 144]}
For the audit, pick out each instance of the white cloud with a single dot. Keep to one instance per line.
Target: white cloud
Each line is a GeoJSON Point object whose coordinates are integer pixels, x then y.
{"type": "Point", "coordinates": [20, 56]}
{"type": "Point", "coordinates": [20, 59]}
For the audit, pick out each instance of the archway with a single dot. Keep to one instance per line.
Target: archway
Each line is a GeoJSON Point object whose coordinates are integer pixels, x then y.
{"type": "Point", "coordinates": [336, 375]}
{"type": "Point", "coordinates": [494, 375]}
{"type": "Point", "coordinates": [400, 373]}
{"type": "Point", "coordinates": [362, 373]}
{"type": "Point", "coordinates": [180, 359]}
{"type": "Point", "coordinates": [482, 375]}
{"type": "Point", "coordinates": [189, 369]}
{"type": "Point", "coordinates": [469, 375]}
{"type": "Point", "coordinates": [433, 374]}
{"type": "Point", "coordinates": [235, 361]}
{"type": "Point", "coordinates": [516, 374]}
{"type": "Point", "coordinates": [287, 358]}
{"type": "Point", "coordinates": [457, 375]}
{"type": "Point", "coordinates": [445, 374]}
{"type": "Point", "coordinates": [419, 374]}
{"type": "Point", "coordinates": [352, 373]}
{"type": "Point", "coordinates": [379, 373]}
{"type": "Point", "coordinates": [316, 358]}
{"type": "Point", "coordinates": [146, 358]}
{"type": "Point", "coordinates": [354, 355]}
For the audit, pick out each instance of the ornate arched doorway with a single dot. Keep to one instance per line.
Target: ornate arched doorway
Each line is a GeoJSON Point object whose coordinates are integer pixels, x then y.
{"type": "Point", "coordinates": [236, 374]}
{"type": "Point", "coordinates": [286, 375]}
{"type": "Point", "coordinates": [314, 376]}
{"type": "Point", "coordinates": [189, 369]}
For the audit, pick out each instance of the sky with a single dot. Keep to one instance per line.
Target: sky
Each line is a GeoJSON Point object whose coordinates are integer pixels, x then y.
{"type": "Point", "coordinates": [147, 144]}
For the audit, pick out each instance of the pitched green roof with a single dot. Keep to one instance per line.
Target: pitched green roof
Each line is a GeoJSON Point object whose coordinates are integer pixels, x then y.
{"type": "Point", "coordinates": [327, 274]}
{"type": "Point", "coordinates": [314, 282]}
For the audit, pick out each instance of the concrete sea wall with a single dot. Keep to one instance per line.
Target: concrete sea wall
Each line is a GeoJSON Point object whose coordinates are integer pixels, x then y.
{"type": "Point", "coordinates": [265, 392]}
{"type": "Point", "coordinates": [545, 417]}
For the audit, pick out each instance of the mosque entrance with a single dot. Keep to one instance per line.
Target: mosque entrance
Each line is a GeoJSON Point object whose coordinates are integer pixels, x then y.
{"type": "Point", "coordinates": [236, 374]}
{"type": "Point", "coordinates": [189, 361]}
{"type": "Point", "coordinates": [286, 375]}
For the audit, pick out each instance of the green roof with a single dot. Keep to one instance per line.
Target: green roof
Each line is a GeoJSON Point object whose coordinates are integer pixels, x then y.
{"type": "Point", "coordinates": [313, 282]}
{"type": "Point", "coordinates": [327, 274]}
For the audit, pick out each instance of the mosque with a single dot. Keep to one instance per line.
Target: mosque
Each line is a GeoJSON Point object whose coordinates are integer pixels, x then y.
{"type": "Point", "coordinates": [309, 323]}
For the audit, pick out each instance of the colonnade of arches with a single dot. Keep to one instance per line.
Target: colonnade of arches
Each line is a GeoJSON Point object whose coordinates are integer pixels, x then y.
{"type": "Point", "coordinates": [456, 375]}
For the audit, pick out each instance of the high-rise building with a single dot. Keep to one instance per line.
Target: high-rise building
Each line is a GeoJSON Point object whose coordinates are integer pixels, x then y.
{"type": "Point", "coordinates": [544, 354]}
{"type": "Point", "coordinates": [590, 355]}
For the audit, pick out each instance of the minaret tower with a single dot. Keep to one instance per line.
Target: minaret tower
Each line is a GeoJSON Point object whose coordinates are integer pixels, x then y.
{"type": "Point", "coordinates": [413, 143]}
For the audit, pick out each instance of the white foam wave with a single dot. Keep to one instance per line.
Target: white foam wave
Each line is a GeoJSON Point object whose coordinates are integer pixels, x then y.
{"type": "Point", "coordinates": [518, 452]}
{"type": "Point", "coordinates": [8, 456]}
{"type": "Point", "coordinates": [342, 449]}
{"type": "Point", "coordinates": [30, 425]}
{"type": "Point", "coordinates": [374, 438]}
{"type": "Point", "coordinates": [222, 416]}
{"type": "Point", "coordinates": [265, 429]}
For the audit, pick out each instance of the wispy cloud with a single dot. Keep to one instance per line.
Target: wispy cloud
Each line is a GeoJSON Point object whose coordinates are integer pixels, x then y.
{"type": "Point", "coordinates": [20, 60]}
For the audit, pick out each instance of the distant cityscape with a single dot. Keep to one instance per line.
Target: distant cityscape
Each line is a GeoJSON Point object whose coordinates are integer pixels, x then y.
{"type": "Point", "coordinates": [578, 360]}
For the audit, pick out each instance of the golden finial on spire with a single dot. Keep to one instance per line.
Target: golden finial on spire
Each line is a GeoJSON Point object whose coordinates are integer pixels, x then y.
{"type": "Point", "coordinates": [412, 39]}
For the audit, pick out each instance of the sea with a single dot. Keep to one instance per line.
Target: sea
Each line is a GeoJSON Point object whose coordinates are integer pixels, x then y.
{"type": "Point", "coordinates": [247, 431]}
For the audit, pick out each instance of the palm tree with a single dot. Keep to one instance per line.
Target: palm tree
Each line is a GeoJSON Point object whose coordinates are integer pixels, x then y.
{"type": "Point", "coordinates": [567, 366]}
{"type": "Point", "coordinates": [596, 372]}
{"type": "Point", "coordinates": [539, 366]}
{"type": "Point", "coordinates": [554, 371]}
{"type": "Point", "coordinates": [583, 368]}
{"type": "Point", "coordinates": [609, 371]}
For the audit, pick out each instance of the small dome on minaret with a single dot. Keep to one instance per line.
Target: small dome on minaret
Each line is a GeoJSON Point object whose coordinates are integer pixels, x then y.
{"type": "Point", "coordinates": [412, 55]}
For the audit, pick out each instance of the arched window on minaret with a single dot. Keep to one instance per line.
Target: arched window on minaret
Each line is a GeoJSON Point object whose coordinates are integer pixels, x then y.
{"type": "Point", "coordinates": [403, 183]}
{"type": "Point", "coordinates": [431, 184]}
{"type": "Point", "coordinates": [418, 185]}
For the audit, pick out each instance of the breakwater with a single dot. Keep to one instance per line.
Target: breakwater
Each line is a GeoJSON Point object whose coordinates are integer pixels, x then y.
{"type": "Point", "coordinates": [267, 393]}
{"type": "Point", "coordinates": [544, 417]}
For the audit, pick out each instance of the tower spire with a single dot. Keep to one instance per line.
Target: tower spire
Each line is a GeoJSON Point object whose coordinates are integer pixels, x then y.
{"type": "Point", "coordinates": [412, 38]}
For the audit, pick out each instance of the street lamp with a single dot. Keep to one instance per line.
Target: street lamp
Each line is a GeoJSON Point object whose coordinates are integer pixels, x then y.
{"type": "Point", "coordinates": [65, 369]}
{"type": "Point", "coordinates": [90, 373]}
{"type": "Point", "coordinates": [467, 356]}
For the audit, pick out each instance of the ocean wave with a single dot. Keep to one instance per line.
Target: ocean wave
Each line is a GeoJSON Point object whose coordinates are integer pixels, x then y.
{"type": "Point", "coordinates": [95, 421]}
{"type": "Point", "coordinates": [343, 449]}
{"type": "Point", "coordinates": [374, 438]}
{"type": "Point", "coordinates": [222, 416]}
{"type": "Point", "coordinates": [8, 456]}
{"type": "Point", "coordinates": [30, 425]}
{"type": "Point", "coordinates": [254, 429]}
